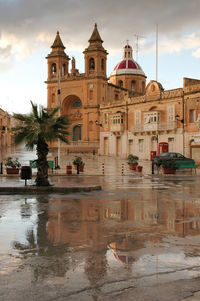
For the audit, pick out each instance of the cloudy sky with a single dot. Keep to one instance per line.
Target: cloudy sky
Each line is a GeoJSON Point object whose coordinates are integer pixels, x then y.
{"type": "Point", "coordinates": [28, 29]}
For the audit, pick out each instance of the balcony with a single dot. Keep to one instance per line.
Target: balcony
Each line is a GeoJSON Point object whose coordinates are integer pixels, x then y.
{"type": "Point", "coordinates": [117, 127]}
{"type": "Point", "coordinates": [151, 127]}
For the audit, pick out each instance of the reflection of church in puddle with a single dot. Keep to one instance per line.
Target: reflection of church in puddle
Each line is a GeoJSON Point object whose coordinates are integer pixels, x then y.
{"type": "Point", "coordinates": [123, 226]}
{"type": "Point", "coordinates": [122, 114]}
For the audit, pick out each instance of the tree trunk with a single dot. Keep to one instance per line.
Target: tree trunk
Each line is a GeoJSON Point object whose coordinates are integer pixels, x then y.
{"type": "Point", "coordinates": [42, 163]}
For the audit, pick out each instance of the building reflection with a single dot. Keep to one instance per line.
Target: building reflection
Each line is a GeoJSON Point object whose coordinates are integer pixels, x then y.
{"type": "Point", "coordinates": [82, 231]}
{"type": "Point", "coordinates": [123, 226]}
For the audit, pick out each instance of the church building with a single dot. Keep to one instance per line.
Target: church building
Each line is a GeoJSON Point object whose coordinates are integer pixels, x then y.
{"type": "Point", "coordinates": [120, 115]}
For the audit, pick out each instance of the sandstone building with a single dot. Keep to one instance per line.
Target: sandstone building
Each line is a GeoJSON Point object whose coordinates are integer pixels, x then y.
{"type": "Point", "coordinates": [6, 135]}
{"type": "Point", "coordinates": [121, 114]}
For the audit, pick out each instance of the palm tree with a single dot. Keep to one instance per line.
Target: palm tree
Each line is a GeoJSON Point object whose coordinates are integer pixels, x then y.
{"type": "Point", "coordinates": [38, 128]}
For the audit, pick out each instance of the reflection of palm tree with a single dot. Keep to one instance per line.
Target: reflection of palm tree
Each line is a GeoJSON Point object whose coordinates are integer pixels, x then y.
{"type": "Point", "coordinates": [52, 258]}
{"type": "Point", "coordinates": [25, 210]}
{"type": "Point", "coordinates": [96, 266]}
{"type": "Point", "coordinates": [30, 247]}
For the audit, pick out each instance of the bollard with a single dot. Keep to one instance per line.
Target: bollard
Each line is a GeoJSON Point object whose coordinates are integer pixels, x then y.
{"type": "Point", "coordinates": [69, 169]}
{"type": "Point", "coordinates": [77, 166]}
{"type": "Point", "coordinates": [102, 168]}
{"type": "Point", "coordinates": [1, 168]}
{"type": "Point", "coordinates": [26, 173]}
{"type": "Point", "coordinates": [122, 169]}
{"type": "Point", "coordinates": [152, 168]}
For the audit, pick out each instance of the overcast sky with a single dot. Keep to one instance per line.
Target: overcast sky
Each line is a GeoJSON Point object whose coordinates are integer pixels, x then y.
{"type": "Point", "coordinates": [28, 29]}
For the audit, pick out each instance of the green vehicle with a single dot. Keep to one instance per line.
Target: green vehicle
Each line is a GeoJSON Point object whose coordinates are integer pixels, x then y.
{"type": "Point", "coordinates": [176, 156]}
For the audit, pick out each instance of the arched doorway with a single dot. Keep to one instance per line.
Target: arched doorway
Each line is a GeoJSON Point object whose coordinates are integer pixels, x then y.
{"type": "Point", "coordinates": [76, 132]}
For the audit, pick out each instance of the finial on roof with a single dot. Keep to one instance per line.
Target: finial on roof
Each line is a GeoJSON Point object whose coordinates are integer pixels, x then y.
{"type": "Point", "coordinates": [95, 37]}
{"type": "Point", "coordinates": [58, 42]}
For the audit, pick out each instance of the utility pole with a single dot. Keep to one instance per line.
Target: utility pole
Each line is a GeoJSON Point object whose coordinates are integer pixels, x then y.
{"type": "Point", "coordinates": [156, 52]}
{"type": "Point", "coordinates": [137, 44]}
{"type": "Point", "coordinates": [183, 122]}
{"type": "Point", "coordinates": [59, 104]}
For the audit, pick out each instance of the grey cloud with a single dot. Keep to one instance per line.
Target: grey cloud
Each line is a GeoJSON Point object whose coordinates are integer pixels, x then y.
{"type": "Point", "coordinates": [5, 52]}
{"type": "Point", "coordinates": [117, 20]}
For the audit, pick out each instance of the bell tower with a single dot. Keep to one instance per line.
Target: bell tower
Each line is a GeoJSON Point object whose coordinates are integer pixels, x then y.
{"type": "Point", "coordinates": [95, 56]}
{"type": "Point", "coordinates": [57, 60]}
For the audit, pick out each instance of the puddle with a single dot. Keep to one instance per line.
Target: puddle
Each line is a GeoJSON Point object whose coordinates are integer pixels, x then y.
{"type": "Point", "coordinates": [89, 241]}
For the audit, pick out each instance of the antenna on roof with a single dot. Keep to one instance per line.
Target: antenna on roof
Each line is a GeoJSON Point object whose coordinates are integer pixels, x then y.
{"type": "Point", "coordinates": [156, 52]}
{"type": "Point", "coordinates": [137, 44]}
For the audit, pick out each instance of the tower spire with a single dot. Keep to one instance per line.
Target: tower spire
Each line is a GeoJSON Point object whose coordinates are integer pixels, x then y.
{"type": "Point", "coordinates": [95, 40]}
{"type": "Point", "coordinates": [95, 37]}
{"type": "Point", "coordinates": [57, 42]}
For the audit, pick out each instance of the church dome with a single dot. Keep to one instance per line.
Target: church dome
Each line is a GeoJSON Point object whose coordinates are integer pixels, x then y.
{"type": "Point", "coordinates": [127, 65]}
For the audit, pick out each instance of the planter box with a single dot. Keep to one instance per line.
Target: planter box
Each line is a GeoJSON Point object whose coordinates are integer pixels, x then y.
{"type": "Point", "coordinates": [139, 168]}
{"type": "Point", "coordinates": [81, 168]}
{"type": "Point", "coordinates": [68, 169]}
{"type": "Point", "coordinates": [12, 171]}
{"type": "Point", "coordinates": [168, 171]}
{"type": "Point", "coordinates": [132, 166]}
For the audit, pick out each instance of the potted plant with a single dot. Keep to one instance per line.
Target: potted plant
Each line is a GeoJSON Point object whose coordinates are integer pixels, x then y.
{"type": "Point", "coordinates": [132, 161]}
{"type": "Point", "coordinates": [78, 162]}
{"type": "Point", "coordinates": [169, 166]}
{"type": "Point", "coordinates": [139, 168]}
{"type": "Point", "coordinates": [12, 165]}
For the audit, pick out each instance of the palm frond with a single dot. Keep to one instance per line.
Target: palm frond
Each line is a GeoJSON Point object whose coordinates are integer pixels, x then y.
{"type": "Point", "coordinates": [40, 122]}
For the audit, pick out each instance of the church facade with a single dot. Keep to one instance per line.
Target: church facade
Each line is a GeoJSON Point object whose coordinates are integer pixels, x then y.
{"type": "Point", "coordinates": [120, 115]}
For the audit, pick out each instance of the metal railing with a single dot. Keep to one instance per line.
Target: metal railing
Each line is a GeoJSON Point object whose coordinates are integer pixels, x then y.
{"type": "Point", "coordinates": [161, 126]}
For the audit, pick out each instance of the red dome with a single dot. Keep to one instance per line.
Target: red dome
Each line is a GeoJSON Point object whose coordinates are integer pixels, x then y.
{"type": "Point", "coordinates": [127, 66]}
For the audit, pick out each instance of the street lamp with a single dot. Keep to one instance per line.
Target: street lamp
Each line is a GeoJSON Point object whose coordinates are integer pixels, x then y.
{"type": "Point", "coordinates": [182, 121]}
{"type": "Point", "coordinates": [54, 70]}
{"type": "Point", "coordinates": [59, 103]}
{"type": "Point", "coordinates": [177, 118]}
{"type": "Point", "coordinates": [98, 123]}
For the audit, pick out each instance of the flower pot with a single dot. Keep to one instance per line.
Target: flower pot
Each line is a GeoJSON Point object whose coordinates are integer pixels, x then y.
{"type": "Point", "coordinates": [12, 171]}
{"type": "Point", "coordinates": [139, 168]}
{"type": "Point", "coordinates": [81, 168]}
{"type": "Point", "coordinates": [68, 169]}
{"type": "Point", "coordinates": [169, 170]}
{"type": "Point", "coordinates": [132, 166]}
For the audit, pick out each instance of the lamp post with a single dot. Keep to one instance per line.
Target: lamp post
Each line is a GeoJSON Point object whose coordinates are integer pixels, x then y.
{"type": "Point", "coordinates": [59, 103]}
{"type": "Point", "coordinates": [98, 123]}
{"type": "Point", "coordinates": [182, 121]}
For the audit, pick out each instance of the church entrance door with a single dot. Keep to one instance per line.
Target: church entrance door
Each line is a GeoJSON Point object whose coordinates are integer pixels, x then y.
{"type": "Point", "coordinates": [77, 133]}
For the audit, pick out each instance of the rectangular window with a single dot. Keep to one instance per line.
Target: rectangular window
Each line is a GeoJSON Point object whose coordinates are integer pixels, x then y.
{"type": "Point", "coordinates": [192, 116]}
{"type": "Point", "coordinates": [137, 117]}
{"type": "Point", "coordinates": [170, 114]}
{"type": "Point", "coordinates": [106, 118]}
{"type": "Point", "coordinates": [141, 145]}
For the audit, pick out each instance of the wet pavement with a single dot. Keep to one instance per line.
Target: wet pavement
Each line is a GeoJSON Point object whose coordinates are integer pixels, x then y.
{"type": "Point", "coordinates": [137, 239]}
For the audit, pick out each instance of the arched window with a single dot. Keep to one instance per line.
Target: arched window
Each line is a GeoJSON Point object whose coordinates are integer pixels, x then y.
{"type": "Point", "coordinates": [77, 104]}
{"type": "Point", "coordinates": [133, 85]}
{"type": "Point", "coordinates": [91, 64]}
{"type": "Point", "coordinates": [77, 132]}
{"type": "Point", "coordinates": [120, 83]}
{"type": "Point", "coordinates": [90, 127]}
{"type": "Point", "coordinates": [102, 64]}
{"type": "Point", "coordinates": [53, 69]}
